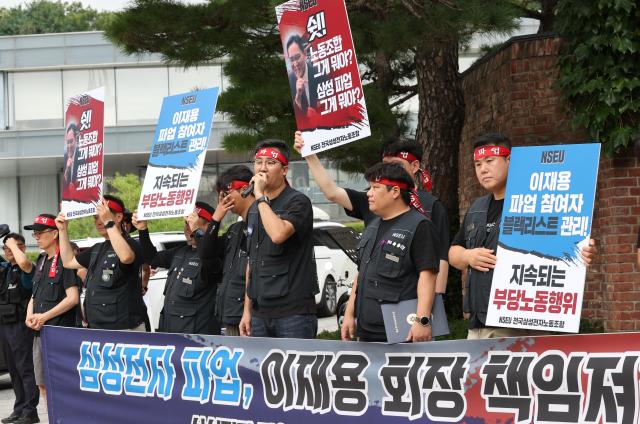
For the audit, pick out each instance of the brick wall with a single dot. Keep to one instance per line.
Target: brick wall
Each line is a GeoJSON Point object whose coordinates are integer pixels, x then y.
{"type": "Point", "coordinates": [512, 91]}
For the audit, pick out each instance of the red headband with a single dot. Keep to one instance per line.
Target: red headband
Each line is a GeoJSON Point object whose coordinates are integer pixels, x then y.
{"type": "Point", "coordinates": [204, 214]}
{"type": "Point", "coordinates": [485, 151]}
{"type": "Point", "coordinates": [237, 184]}
{"type": "Point", "coordinates": [273, 154]}
{"type": "Point", "coordinates": [402, 155]}
{"type": "Point", "coordinates": [425, 178]}
{"type": "Point", "coordinates": [114, 206]}
{"type": "Point", "coordinates": [45, 220]}
{"type": "Point", "coordinates": [392, 183]}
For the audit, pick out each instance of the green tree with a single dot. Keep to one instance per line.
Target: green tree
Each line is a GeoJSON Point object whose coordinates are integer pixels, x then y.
{"type": "Point", "coordinates": [44, 16]}
{"type": "Point", "coordinates": [128, 188]}
{"type": "Point", "coordinates": [422, 61]}
{"type": "Point", "coordinates": [598, 66]}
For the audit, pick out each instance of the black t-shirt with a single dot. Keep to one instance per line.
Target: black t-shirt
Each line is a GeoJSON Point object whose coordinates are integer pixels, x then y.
{"type": "Point", "coordinates": [493, 219]}
{"type": "Point", "coordinates": [299, 213]}
{"type": "Point", "coordinates": [424, 246]}
{"type": "Point", "coordinates": [68, 279]}
{"type": "Point", "coordinates": [439, 218]}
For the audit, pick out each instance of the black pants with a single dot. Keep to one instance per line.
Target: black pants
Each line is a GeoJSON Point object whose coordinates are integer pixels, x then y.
{"type": "Point", "coordinates": [17, 344]}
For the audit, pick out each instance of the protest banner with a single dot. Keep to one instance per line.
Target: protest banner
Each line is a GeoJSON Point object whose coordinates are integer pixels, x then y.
{"type": "Point", "coordinates": [539, 277]}
{"type": "Point", "coordinates": [83, 154]}
{"type": "Point", "coordinates": [325, 85]}
{"type": "Point", "coordinates": [177, 155]}
{"type": "Point", "coordinates": [102, 376]}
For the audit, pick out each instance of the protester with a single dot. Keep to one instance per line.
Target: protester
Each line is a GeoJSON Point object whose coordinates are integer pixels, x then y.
{"type": "Point", "coordinates": [398, 259]}
{"type": "Point", "coordinates": [282, 281]}
{"type": "Point", "coordinates": [474, 246]}
{"type": "Point", "coordinates": [15, 337]}
{"type": "Point", "coordinates": [55, 292]}
{"type": "Point", "coordinates": [113, 299]}
{"type": "Point", "coordinates": [231, 292]}
{"type": "Point", "coordinates": [190, 288]}
{"type": "Point", "coordinates": [407, 153]}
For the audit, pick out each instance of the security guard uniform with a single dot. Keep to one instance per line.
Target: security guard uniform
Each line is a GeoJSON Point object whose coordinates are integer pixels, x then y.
{"type": "Point", "coordinates": [478, 283]}
{"type": "Point", "coordinates": [17, 339]}
{"type": "Point", "coordinates": [231, 292]}
{"type": "Point", "coordinates": [113, 299]}
{"type": "Point", "coordinates": [386, 273]}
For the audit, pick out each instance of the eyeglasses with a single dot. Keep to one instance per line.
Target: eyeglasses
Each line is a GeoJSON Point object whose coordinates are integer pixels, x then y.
{"type": "Point", "coordinates": [37, 234]}
{"type": "Point", "coordinates": [269, 162]}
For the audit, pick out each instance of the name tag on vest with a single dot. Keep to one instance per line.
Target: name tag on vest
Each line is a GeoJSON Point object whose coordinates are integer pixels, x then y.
{"type": "Point", "coordinates": [392, 257]}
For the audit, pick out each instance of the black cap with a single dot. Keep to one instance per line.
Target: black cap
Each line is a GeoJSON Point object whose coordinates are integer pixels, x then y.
{"type": "Point", "coordinates": [42, 222]}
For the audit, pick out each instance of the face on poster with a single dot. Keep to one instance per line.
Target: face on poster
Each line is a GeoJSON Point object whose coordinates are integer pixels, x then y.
{"type": "Point", "coordinates": [324, 80]}
{"type": "Point", "coordinates": [177, 155]}
{"type": "Point", "coordinates": [82, 166]}
{"type": "Point", "coordinates": [538, 282]}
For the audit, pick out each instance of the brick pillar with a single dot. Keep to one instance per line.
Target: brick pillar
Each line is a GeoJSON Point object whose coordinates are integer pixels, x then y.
{"type": "Point", "coordinates": [513, 91]}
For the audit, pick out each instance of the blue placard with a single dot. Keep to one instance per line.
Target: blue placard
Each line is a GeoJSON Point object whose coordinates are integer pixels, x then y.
{"type": "Point", "coordinates": [549, 199]}
{"type": "Point", "coordinates": [183, 129]}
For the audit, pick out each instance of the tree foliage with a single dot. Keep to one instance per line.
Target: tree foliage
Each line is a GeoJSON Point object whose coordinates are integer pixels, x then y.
{"type": "Point", "coordinates": [245, 33]}
{"type": "Point", "coordinates": [44, 16]}
{"type": "Point", "coordinates": [598, 65]}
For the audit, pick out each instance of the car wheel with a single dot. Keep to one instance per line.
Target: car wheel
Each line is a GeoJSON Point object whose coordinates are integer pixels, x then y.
{"type": "Point", "coordinates": [329, 299]}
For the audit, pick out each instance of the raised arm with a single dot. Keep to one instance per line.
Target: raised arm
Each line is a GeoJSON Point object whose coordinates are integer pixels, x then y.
{"type": "Point", "coordinates": [327, 185]}
{"type": "Point", "coordinates": [66, 251]}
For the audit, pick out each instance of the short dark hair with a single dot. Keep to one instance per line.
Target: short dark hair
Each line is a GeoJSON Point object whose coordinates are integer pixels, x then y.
{"type": "Point", "coordinates": [298, 40]}
{"type": "Point", "coordinates": [397, 145]}
{"type": "Point", "coordinates": [117, 200]}
{"type": "Point", "coordinates": [17, 237]}
{"type": "Point", "coordinates": [273, 142]}
{"type": "Point", "coordinates": [392, 171]}
{"type": "Point", "coordinates": [73, 127]}
{"type": "Point", "coordinates": [236, 172]}
{"type": "Point", "coordinates": [492, 139]}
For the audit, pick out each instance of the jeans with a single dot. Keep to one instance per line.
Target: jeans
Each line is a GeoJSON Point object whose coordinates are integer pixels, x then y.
{"type": "Point", "coordinates": [292, 327]}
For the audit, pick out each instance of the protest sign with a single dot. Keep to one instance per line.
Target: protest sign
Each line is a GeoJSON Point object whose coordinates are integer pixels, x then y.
{"type": "Point", "coordinates": [177, 155]}
{"type": "Point", "coordinates": [323, 73]}
{"type": "Point", "coordinates": [102, 376]}
{"type": "Point", "coordinates": [538, 281]}
{"type": "Point", "coordinates": [83, 154]}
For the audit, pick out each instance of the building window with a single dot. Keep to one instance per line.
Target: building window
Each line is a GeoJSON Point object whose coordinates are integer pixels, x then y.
{"type": "Point", "coordinates": [139, 94]}
{"type": "Point", "coordinates": [37, 99]}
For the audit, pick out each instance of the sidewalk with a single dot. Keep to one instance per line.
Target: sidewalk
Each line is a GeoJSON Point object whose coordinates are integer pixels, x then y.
{"type": "Point", "coordinates": [7, 398]}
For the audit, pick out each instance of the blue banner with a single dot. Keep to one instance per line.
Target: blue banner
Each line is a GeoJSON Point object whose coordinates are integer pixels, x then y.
{"type": "Point", "coordinates": [95, 376]}
{"type": "Point", "coordinates": [549, 199]}
{"type": "Point", "coordinates": [183, 128]}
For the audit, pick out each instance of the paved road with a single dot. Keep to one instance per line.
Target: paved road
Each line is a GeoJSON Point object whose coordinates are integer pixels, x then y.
{"type": "Point", "coordinates": [7, 397]}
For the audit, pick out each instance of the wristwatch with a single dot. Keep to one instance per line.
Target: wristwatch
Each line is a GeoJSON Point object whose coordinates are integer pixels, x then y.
{"type": "Point", "coordinates": [263, 198]}
{"type": "Point", "coordinates": [109, 224]}
{"type": "Point", "coordinates": [423, 321]}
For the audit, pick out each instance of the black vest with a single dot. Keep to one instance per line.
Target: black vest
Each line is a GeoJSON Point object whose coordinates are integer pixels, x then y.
{"type": "Point", "coordinates": [48, 292]}
{"type": "Point", "coordinates": [479, 283]}
{"type": "Point", "coordinates": [113, 298]}
{"type": "Point", "coordinates": [428, 201]}
{"type": "Point", "coordinates": [386, 273]}
{"type": "Point", "coordinates": [271, 283]}
{"type": "Point", "coordinates": [13, 297]}
{"type": "Point", "coordinates": [231, 292]}
{"type": "Point", "coordinates": [189, 300]}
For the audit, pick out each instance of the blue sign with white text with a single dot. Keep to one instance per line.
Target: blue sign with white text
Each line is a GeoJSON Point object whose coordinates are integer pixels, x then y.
{"type": "Point", "coordinates": [549, 199]}
{"type": "Point", "coordinates": [183, 128]}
